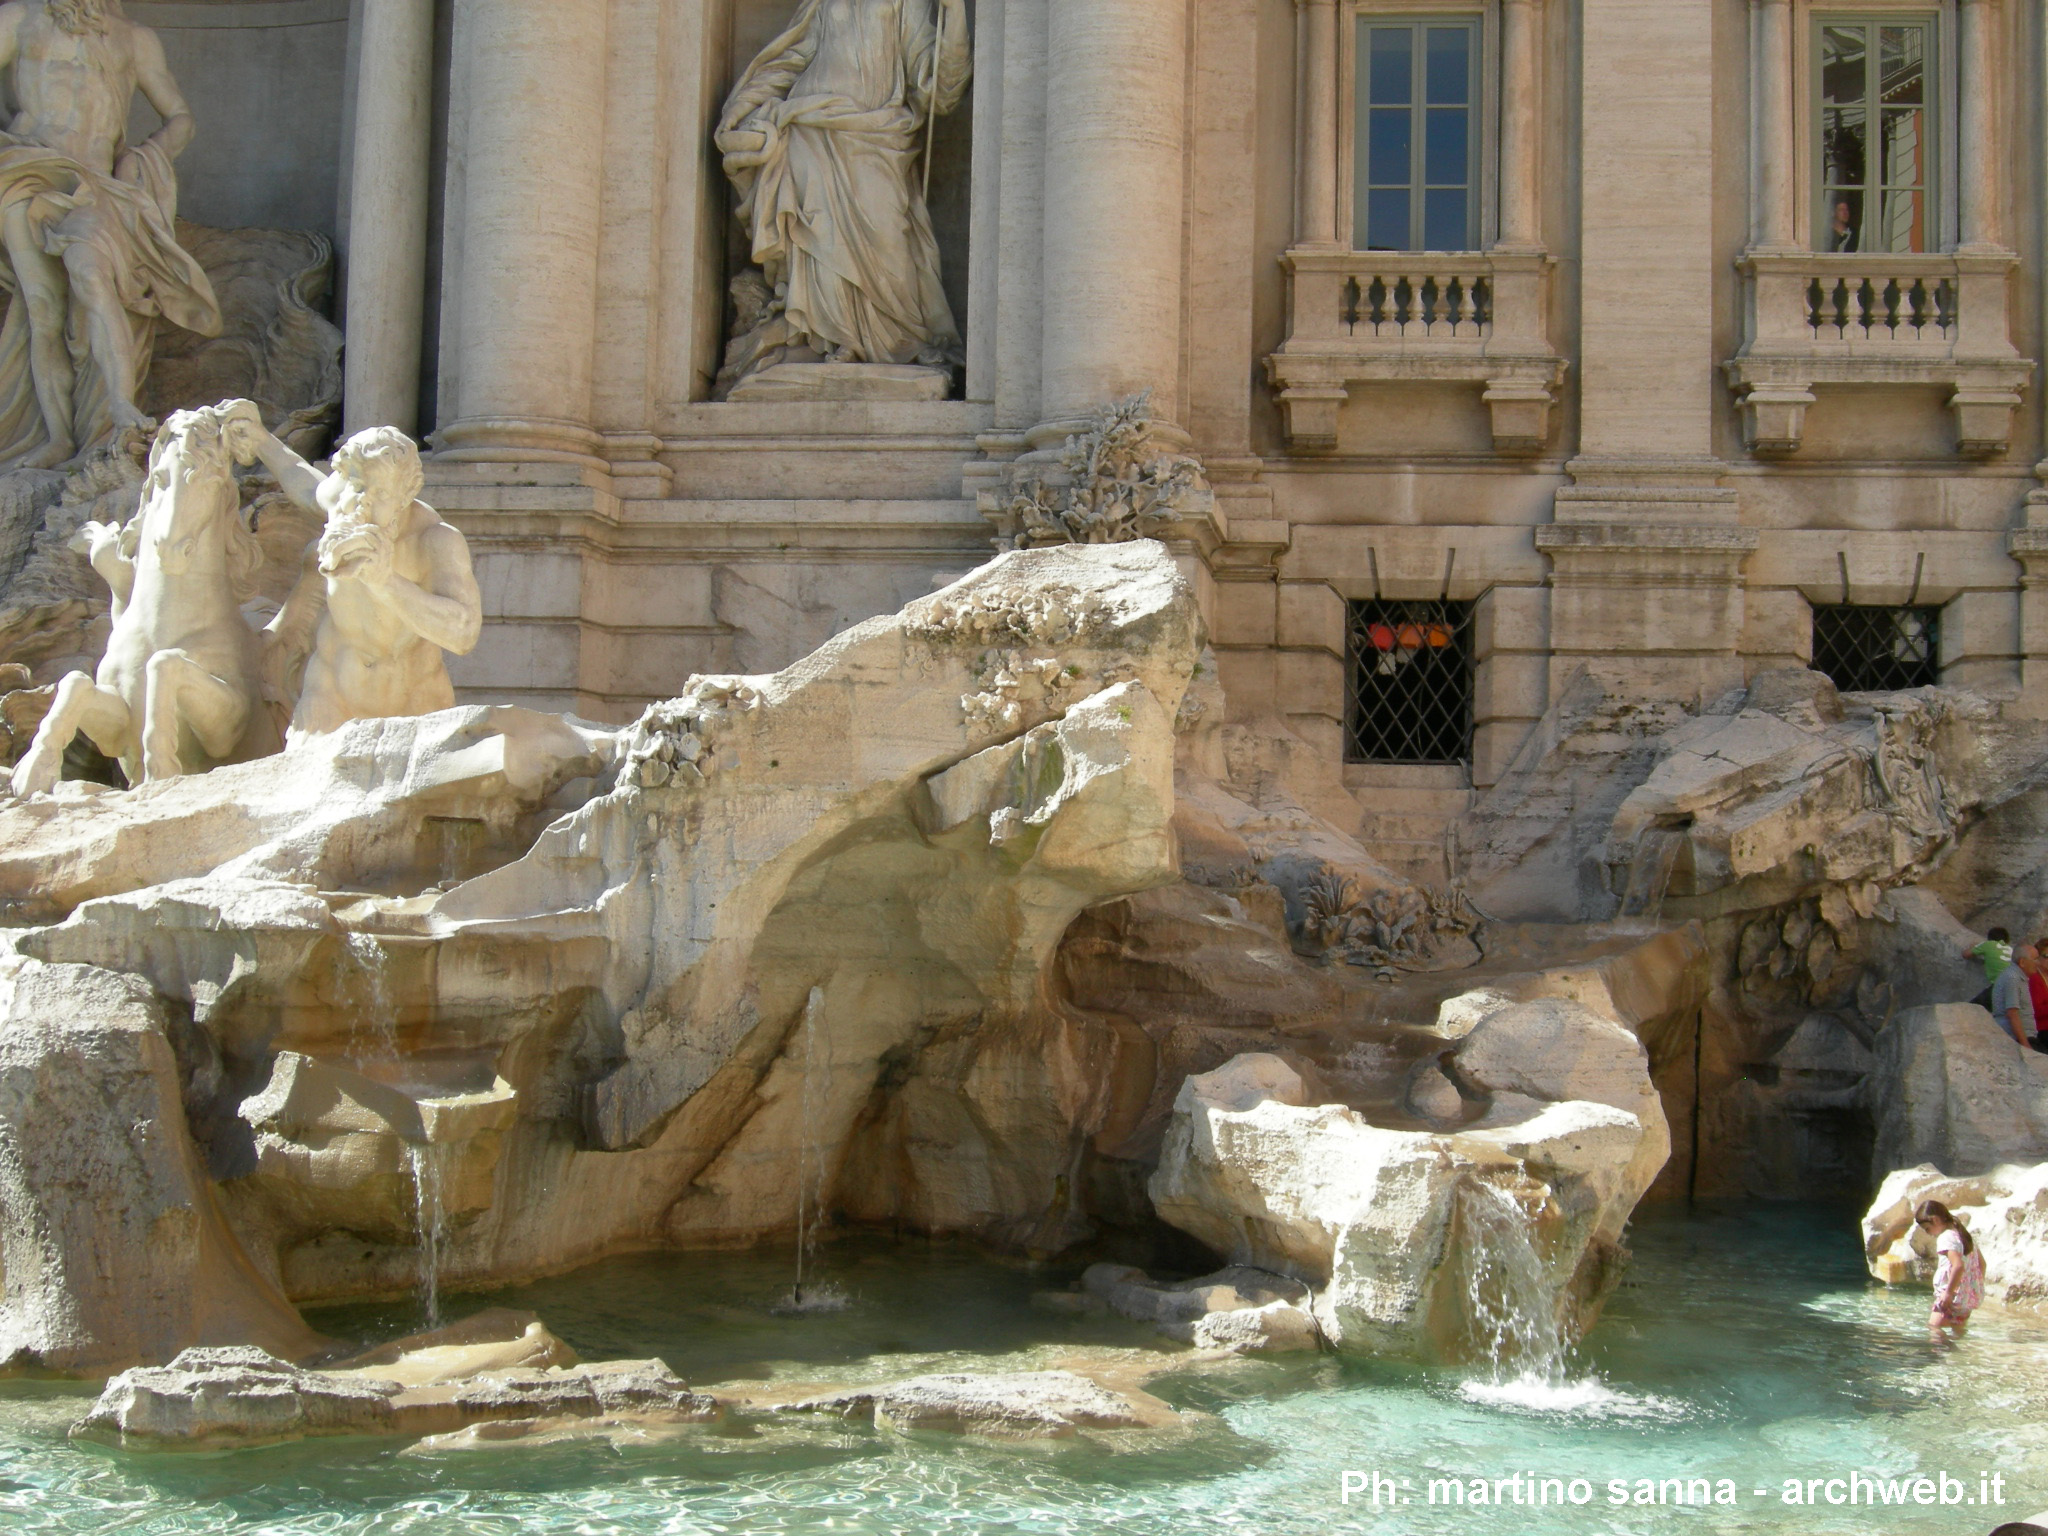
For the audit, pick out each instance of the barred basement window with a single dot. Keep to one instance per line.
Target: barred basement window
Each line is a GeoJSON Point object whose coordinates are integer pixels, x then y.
{"type": "Point", "coordinates": [1411, 682]}
{"type": "Point", "coordinates": [1868, 649]}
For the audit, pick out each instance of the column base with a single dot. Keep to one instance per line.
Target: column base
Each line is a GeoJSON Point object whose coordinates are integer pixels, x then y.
{"type": "Point", "coordinates": [520, 440]}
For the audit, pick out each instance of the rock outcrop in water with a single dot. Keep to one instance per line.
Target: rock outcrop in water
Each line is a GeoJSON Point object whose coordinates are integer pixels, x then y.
{"type": "Point", "coordinates": [1551, 1135]}
{"type": "Point", "coordinates": [488, 993]}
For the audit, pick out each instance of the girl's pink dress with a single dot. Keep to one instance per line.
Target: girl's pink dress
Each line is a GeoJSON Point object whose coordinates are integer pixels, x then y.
{"type": "Point", "coordinates": [1958, 1281]}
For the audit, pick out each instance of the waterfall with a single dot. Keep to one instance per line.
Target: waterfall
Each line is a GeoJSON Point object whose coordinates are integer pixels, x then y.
{"type": "Point", "coordinates": [423, 1160]}
{"type": "Point", "coordinates": [1511, 1299]}
{"type": "Point", "coordinates": [1650, 863]}
{"type": "Point", "coordinates": [372, 1000]}
{"type": "Point", "coordinates": [813, 1155]}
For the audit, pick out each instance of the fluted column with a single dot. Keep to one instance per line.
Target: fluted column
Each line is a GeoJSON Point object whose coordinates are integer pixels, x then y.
{"type": "Point", "coordinates": [1977, 153]}
{"type": "Point", "coordinates": [1521, 27]}
{"type": "Point", "coordinates": [532, 205]}
{"type": "Point", "coordinates": [1116, 130]}
{"type": "Point", "coordinates": [388, 211]}
{"type": "Point", "coordinates": [1771, 219]}
{"type": "Point", "coordinates": [1319, 122]}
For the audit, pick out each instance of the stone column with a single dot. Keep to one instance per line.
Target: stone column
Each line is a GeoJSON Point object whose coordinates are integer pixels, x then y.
{"type": "Point", "coordinates": [1771, 82]}
{"type": "Point", "coordinates": [1521, 30]}
{"type": "Point", "coordinates": [388, 212]}
{"type": "Point", "coordinates": [1978, 149]}
{"type": "Point", "coordinates": [532, 204]}
{"type": "Point", "coordinates": [1116, 128]}
{"type": "Point", "coordinates": [1646, 551]}
{"type": "Point", "coordinates": [1319, 123]}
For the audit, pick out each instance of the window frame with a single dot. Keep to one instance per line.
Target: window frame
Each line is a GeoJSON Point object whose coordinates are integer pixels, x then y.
{"type": "Point", "coordinates": [1934, 616]}
{"type": "Point", "coordinates": [1809, 17]}
{"type": "Point", "coordinates": [1460, 617]}
{"type": "Point", "coordinates": [1486, 125]}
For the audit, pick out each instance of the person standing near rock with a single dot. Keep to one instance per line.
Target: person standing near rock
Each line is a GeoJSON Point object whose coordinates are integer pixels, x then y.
{"type": "Point", "coordinates": [1959, 1268]}
{"type": "Point", "coordinates": [2037, 990]}
{"type": "Point", "coordinates": [2012, 1000]}
{"type": "Point", "coordinates": [1994, 954]}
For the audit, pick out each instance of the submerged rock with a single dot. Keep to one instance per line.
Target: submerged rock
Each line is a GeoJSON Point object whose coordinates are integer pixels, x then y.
{"type": "Point", "coordinates": [218, 1399]}
{"type": "Point", "coordinates": [1236, 1309]}
{"type": "Point", "coordinates": [1020, 1404]}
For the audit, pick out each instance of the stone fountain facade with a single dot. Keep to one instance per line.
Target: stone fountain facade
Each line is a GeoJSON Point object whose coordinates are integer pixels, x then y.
{"type": "Point", "coordinates": [450, 861]}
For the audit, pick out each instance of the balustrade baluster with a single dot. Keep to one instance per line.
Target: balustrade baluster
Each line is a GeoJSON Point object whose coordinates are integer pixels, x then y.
{"type": "Point", "coordinates": [1918, 307]}
{"type": "Point", "coordinates": [1482, 302]}
{"type": "Point", "coordinates": [1945, 305]}
{"type": "Point", "coordinates": [1866, 307]}
{"type": "Point", "coordinates": [1347, 306]}
{"type": "Point", "coordinates": [1404, 301]}
{"type": "Point", "coordinates": [1376, 299]}
{"type": "Point", "coordinates": [1841, 302]}
{"type": "Point", "coordinates": [1816, 305]}
{"type": "Point", "coordinates": [1432, 303]}
{"type": "Point", "coordinates": [1891, 305]}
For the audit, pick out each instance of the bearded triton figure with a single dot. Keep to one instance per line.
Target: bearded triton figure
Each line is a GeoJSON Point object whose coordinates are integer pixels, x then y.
{"type": "Point", "coordinates": [87, 252]}
{"type": "Point", "coordinates": [825, 138]}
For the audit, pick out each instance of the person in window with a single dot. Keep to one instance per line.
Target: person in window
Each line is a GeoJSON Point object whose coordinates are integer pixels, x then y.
{"type": "Point", "coordinates": [1842, 237]}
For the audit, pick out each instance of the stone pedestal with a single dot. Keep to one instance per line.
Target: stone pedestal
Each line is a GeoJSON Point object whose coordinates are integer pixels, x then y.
{"type": "Point", "coordinates": [843, 381]}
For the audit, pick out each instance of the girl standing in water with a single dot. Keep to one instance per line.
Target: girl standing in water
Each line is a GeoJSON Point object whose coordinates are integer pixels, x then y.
{"type": "Point", "coordinates": [1959, 1271]}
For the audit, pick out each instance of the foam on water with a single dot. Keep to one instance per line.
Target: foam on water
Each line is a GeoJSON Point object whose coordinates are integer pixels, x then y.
{"type": "Point", "coordinates": [1583, 1397]}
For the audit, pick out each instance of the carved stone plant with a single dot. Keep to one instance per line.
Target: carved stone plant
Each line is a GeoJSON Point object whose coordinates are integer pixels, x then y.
{"type": "Point", "coordinates": [1402, 929]}
{"type": "Point", "coordinates": [1112, 484]}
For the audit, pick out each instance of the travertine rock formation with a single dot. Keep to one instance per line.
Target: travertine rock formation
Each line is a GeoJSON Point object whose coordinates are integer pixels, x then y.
{"type": "Point", "coordinates": [606, 989]}
{"type": "Point", "coordinates": [1551, 1132]}
{"type": "Point", "coordinates": [2005, 1208]}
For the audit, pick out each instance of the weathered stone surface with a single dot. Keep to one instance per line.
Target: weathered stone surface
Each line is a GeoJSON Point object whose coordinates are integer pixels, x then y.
{"type": "Point", "coordinates": [613, 978]}
{"type": "Point", "coordinates": [209, 1398]}
{"type": "Point", "coordinates": [1022, 1404]}
{"type": "Point", "coordinates": [1235, 1309]}
{"type": "Point", "coordinates": [496, 1339]}
{"type": "Point", "coordinates": [113, 1246]}
{"type": "Point", "coordinates": [234, 1398]}
{"type": "Point", "coordinates": [1370, 1216]}
{"type": "Point", "coordinates": [1954, 1090]}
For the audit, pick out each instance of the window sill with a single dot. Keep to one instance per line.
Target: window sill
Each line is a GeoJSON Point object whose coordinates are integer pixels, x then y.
{"type": "Point", "coordinates": [1816, 318]}
{"type": "Point", "coordinates": [1380, 317]}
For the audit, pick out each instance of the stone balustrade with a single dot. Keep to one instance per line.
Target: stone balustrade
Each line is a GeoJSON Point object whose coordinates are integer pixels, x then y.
{"type": "Point", "coordinates": [1377, 317]}
{"type": "Point", "coordinates": [1876, 319]}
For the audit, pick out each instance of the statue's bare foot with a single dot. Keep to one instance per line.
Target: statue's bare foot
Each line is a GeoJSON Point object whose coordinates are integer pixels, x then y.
{"type": "Point", "coordinates": [37, 773]}
{"type": "Point", "coordinates": [127, 417]}
{"type": "Point", "coordinates": [50, 456]}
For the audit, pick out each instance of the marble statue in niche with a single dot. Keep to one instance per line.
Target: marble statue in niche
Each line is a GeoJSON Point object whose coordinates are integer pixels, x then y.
{"type": "Point", "coordinates": [87, 248]}
{"type": "Point", "coordinates": [177, 690]}
{"type": "Point", "coordinates": [386, 588]}
{"type": "Point", "coordinates": [827, 140]}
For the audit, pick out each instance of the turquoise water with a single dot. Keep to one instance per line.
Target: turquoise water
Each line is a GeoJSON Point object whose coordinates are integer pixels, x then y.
{"type": "Point", "coordinates": [1744, 1345]}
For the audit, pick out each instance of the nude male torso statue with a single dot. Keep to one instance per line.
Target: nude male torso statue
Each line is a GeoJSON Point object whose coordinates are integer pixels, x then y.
{"type": "Point", "coordinates": [85, 217]}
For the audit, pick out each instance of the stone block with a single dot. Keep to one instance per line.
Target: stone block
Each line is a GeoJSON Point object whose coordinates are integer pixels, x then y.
{"type": "Point", "coordinates": [1311, 683]}
{"type": "Point", "coordinates": [1312, 614]}
{"type": "Point", "coordinates": [1511, 619]}
{"type": "Point", "coordinates": [1980, 627]}
{"type": "Point", "coordinates": [1777, 629]}
{"type": "Point", "coordinates": [1510, 687]}
{"type": "Point", "coordinates": [1494, 746]}
{"type": "Point", "coordinates": [1242, 613]}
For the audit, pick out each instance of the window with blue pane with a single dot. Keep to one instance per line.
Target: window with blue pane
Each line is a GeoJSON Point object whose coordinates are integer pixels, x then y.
{"type": "Point", "coordinates": [1418, 134]}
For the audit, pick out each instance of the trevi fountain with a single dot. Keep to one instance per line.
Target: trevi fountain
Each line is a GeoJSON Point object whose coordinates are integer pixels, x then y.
{"type": "Point", "coordinates": [963, 1060]}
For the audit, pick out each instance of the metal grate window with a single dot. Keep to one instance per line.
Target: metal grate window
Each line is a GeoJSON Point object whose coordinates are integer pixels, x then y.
{"type": "Point", "coordinates": [1868, 649]}
{"type": "Point", "coordinates": [1411, 682]}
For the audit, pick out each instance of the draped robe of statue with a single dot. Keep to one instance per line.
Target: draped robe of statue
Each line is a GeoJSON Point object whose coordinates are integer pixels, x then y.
{"type": "Point", "coordinates": [131, 225]}
{"type": "Point", "coordinates": [823, 138]}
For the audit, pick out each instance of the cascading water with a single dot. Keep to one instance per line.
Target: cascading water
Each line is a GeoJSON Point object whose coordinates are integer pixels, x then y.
{"type": "Point", "coordinates": [430, 1223]}
{"type": "Point", "coordinates": [1510, 1298]}
{"type": "Point", "coordinates": [373, 1032]}
{"type": "Point", "coordinates": [1650, 864]}
{"type": "Point", "coordinates": [812, 1154]}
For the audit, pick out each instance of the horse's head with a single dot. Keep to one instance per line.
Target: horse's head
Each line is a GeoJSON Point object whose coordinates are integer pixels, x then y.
{"type": "Point", "coordinates": [191, 516]}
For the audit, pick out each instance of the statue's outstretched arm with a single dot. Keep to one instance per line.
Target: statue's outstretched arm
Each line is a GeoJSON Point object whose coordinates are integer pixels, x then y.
{"type": "Point", "coordinates": [160, 90]}
{"type": "Point", "coordinates": [252, 442]}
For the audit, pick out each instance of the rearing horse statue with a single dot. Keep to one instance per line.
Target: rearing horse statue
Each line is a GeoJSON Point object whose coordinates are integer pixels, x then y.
{"type": "Point", "coordinates": [178, 686]}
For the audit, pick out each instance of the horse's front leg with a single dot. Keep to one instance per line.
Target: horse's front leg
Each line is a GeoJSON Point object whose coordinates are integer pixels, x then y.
{"type": "Point", "coordinates": [80, 705]}
{"type": "Point", "coordinates": [176, 692]}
